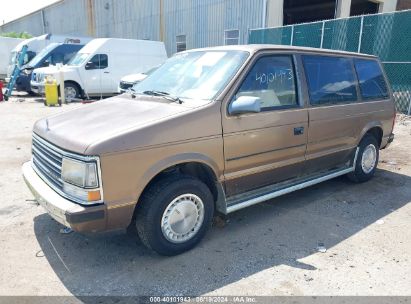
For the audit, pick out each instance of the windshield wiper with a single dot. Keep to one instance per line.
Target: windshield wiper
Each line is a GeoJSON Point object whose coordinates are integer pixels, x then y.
{"type": "Point", "coordinates": [164, 95]}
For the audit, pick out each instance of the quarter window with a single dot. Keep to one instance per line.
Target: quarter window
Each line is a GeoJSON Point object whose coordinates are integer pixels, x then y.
{"type": "Point", "coordinates": [181, 43]}
{"type": "Point", "coordinates": [330, 80]}
{"type": "Point", "coordinates": [272, 80]}
{"type": "Point", "coordinates": [231, 37]}
{"type": "Point", "coordinates": [372, 83]}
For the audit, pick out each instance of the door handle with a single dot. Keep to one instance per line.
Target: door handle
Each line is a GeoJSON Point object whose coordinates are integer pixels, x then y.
{"type": "Point", "coordinates": [106, 72]}
{"type": "Point", "coordinates": [299, 131]}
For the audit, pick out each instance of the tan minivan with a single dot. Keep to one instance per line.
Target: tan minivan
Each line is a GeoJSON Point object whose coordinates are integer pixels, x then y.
{"type": "Point", "coordinates": [212, 130]}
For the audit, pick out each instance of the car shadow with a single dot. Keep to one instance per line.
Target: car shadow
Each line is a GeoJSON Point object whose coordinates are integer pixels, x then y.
{"type": "Point", "coordinates": [280, 231]}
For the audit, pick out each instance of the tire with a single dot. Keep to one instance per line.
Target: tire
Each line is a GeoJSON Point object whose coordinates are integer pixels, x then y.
{"type": "Point", "coordinates": [158, 220]}
{"type": "Point", "coordinates": [367, 160]}
{"type": "Point", "coordinates": [73, 90]}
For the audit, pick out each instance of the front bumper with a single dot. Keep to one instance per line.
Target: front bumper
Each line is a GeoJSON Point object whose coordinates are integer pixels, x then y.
{"type": "Point", "coordinates": [77, 217]}
{"type": "Point", "coordinates": [23, 83]}
{"type": "Point", "coordinates": [37, 88]}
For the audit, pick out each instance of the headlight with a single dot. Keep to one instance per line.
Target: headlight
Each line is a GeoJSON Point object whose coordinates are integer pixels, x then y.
{"type": "Point", "coordinates": [80, 179]}
{"type": "Point", "coordinates": [79, 173]}
{"type": "Point", "coordinates": [48, 77]}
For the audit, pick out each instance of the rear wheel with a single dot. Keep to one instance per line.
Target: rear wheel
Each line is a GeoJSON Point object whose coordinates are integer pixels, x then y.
{"type": "Point", "coordinates": [367, 160]}
{"type": "Point", "coordinates": [174, 214]}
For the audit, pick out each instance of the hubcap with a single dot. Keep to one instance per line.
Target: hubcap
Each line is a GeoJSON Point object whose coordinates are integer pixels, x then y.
{"type": "Point", "coordinates": [70, 93]}
{"type": "Point", "coordinates": [369, 158]}
{"type": "Point", "coordinates": [182, 218]}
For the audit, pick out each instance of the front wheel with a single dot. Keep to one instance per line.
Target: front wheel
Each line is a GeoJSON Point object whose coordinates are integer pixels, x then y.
{"type": "Point", "coordinates": [174, 214]}
{"type": "Point", "coordinates": [71, 91]}
{"type": "Point", "coordinates": [367, 160]}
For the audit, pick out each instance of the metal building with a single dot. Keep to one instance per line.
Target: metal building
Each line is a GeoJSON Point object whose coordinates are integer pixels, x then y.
{"type": "Point", "coordinates": [184, 24]}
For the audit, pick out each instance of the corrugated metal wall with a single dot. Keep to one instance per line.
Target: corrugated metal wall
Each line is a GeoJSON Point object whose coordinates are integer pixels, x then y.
{"type": "Point", "coordinates": [67, 17]}
{"type": "Point", "coordinates": [202, 21]}
{"type": "Point", "coordinates": [31, 24]}
{"type": "Point", "coordinates": [136, 19]}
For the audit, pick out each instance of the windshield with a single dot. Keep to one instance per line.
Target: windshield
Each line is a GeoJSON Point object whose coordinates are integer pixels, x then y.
{"type": "Point", "coordinates": [194, 75]}
{"type": "Point", "coordinates": [79, 59]}
{"type": "Point", "coordinates": [43, 53]}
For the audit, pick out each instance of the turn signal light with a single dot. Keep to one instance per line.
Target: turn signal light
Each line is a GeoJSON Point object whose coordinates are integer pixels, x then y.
{"type": "Point", "coordinates": [93, 196]}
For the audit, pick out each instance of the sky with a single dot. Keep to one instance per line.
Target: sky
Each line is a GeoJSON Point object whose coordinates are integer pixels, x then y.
{"type": "Point", "coordinates": [13, 9]}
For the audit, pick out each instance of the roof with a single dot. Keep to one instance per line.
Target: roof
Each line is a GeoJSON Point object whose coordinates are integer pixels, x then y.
{"type": "Point", "coordinates": [252, 48]}
{"type": "Point", "coordinates": [126, 44]}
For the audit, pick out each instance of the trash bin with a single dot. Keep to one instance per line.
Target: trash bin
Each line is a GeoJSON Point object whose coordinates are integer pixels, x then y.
{"type": "Point", "coordinates": [51, 91]}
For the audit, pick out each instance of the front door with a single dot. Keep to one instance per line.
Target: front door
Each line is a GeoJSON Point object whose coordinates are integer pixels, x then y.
{"type": "Point", "coordinates": [95, 75]}
{"type": "Point", "coordinates": [266, 147]}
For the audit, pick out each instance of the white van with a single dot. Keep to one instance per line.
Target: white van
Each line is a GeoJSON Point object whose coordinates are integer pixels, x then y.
{"type": "Point", "coordinates": [36, 44]}
{"type": "Point", "coordinates": [6, 46]}
{"type": "Point", "coordinates": [98, 67]}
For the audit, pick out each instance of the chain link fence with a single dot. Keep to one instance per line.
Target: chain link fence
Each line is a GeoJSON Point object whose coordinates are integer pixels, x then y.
{"type": "Point", "coordinates": [386, 35]}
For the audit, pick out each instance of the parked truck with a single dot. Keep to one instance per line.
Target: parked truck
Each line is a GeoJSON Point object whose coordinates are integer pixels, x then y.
{"type": "Point", "coordinates": [36, 44]}
{"type": "Point", "coordinates": [97, 68]}
{"type": "Point", "coordinates": [53, 54]}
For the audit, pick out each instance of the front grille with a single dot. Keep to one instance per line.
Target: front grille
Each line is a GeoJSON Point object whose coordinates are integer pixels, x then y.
{"type": "Point", "coordinates": [37, 77]}
{"type": "Point", "coordinates": [47, 161]}
{"type": "Point", "coordinates": [125, 85]}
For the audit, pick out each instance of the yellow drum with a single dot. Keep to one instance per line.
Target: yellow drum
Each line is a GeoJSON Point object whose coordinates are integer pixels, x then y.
{"type": "Point", "coordinates": [51, 91]}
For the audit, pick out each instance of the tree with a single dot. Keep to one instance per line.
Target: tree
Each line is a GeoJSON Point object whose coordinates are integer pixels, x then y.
{"type": "Point", "coordinates": [23, 35]}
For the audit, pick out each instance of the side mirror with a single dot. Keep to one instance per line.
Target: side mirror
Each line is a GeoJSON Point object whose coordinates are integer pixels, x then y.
{"type": "Point", "coordinates": [90, 65]}
{"type": "Point", "coordinates": [245, 104]}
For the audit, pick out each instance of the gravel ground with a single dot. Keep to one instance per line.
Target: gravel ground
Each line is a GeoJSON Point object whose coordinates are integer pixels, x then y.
{"type": "Point", "coordinates": [268, 249]}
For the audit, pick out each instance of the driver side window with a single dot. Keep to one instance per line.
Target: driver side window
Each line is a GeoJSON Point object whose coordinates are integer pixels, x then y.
{"type": "Point", "coordinates": [98, 61]}
{"type": "Point", "coordinates": [271, 79]}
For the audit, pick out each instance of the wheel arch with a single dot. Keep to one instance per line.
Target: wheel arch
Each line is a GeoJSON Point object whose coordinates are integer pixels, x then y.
{"type": "Point", "coordinates": [375, 129]}
{"type": "Point", "coordinates": [192, 164]}
{"type": "Point", "coordinates": [75, 83]}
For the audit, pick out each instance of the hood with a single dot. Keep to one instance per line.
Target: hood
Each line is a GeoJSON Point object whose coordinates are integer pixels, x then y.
{"type": "Point", "coordinates": [52, 69]}
{"type": "Point", "coordinates": [87, 125]}
{"type": "Point", "coordinates": [46, 70]}
{"type": "Point", "coordinates": [132, 78]}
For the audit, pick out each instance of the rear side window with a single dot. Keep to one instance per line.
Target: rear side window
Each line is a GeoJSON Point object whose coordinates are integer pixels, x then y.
{"type": "Point", "coordinates": [372, 82]}
{"type": "Point", "coordinates": [272, 80]}
{"type": "Point", "coordinates": [330, 80]}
